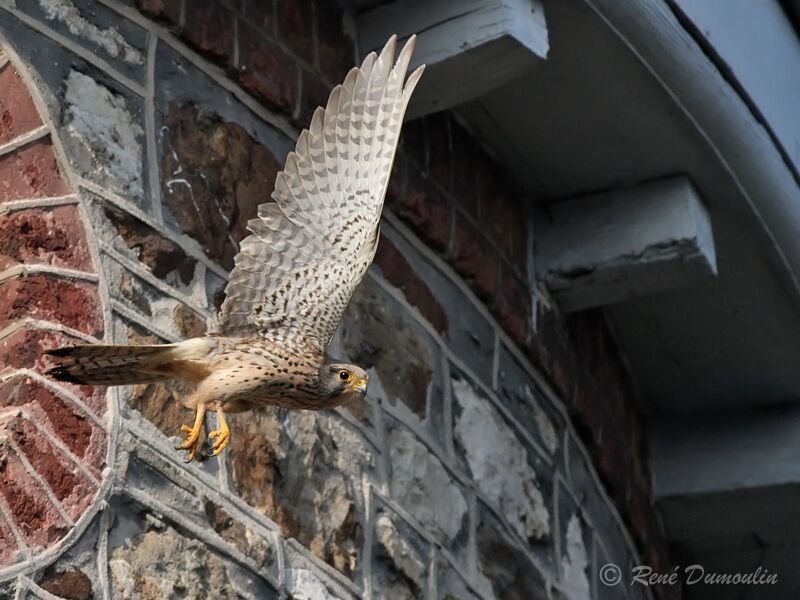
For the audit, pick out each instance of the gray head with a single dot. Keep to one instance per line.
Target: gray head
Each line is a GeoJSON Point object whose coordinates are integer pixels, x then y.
{"type": "Point", "coordinates": [341, 382]}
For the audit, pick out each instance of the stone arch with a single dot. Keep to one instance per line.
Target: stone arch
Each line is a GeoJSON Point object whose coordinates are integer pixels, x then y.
{"type": "Point", "coordinates": [54, 437]}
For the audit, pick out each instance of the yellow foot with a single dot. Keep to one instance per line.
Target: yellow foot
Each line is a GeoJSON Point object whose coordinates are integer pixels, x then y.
{"type": "Point", "coordinates": [223, 434]}
{"type": "Point", "coordinates": [223, 437]}
{"type": "Point", "coordinates": [191, 442]}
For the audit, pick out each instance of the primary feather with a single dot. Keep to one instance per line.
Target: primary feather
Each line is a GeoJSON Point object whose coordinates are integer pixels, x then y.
{"type": "Point", "coordinates": [309, 249]}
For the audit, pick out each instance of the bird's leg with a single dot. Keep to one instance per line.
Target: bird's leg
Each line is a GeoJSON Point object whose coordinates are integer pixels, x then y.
{"type": "Point", "coordinates": [223, 434]}
{"type": "Point", "coordinates": [193, 433]}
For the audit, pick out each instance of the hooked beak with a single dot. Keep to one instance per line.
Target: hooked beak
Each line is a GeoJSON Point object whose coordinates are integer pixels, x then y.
{"type": "Point", "coordinates": [361, 386]}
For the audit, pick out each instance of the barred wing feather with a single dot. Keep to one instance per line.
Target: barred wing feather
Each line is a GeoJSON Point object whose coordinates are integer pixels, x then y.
{"type": "Point", "coordinates": [309, 249]}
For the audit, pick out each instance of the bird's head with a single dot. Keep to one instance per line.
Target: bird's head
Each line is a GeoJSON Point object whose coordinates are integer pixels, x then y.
{"type": "Point", "coordinates": [342, 382]}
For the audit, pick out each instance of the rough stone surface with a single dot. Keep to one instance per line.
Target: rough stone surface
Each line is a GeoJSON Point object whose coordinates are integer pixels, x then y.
{"type": "Point", "coordinates": [509, 573]}
{"type": "Point", "coordinates": [274, 456]}
{"type": "Point", "coordinates": [165, 565]}
{"type": "Point", "coordinates": [53, 237]}
{"type": "Point", "coordinates": [215, 176]}
{"type": "Point", "coordinates": [377, 335]}
{"type": "Point", "coordinates": [162, 256]}
{"type": "Point", "coordinates": [522, 399]}
{"type": "Point", "coordinates": [499, 463]}
{"type": "Point", "coordinates": [304, 584]}
{"type": "Point", "coordinates": [403, 556]}
{"type": "Point", "coordinates": [574, 563]}
{"type": "Point", "coordinates": [31, 172]}
{"type": "Point", "coordinates": [234, 532]}
{"type": "Point", "coordinates": [108, 38]}
{"type": "Point", "coordinates": [70, 585]}
{"type": "Point", "coordinates": [420, 480]}
{"type": "Point", "coordinates": [18, 114]}
{"type": "Point", "coordinates": [107, 134]}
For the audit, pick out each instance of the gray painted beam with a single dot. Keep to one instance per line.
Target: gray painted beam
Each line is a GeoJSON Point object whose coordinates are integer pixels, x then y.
{"type": "Point", "coordinates": [469, 46]}
{"type": "Point", "coordinates": [600, 249]}
{"type": "Point", "coordinates": [722, 452]}
{"type": "Point", "coordinates": [728, 478]}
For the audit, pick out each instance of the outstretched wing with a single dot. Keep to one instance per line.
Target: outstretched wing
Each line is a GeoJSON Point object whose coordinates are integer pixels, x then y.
{"type": "Point", "coordinates": [295, 274]}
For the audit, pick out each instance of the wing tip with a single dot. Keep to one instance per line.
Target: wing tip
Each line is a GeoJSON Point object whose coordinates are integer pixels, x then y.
{"type": "Point", "coordinates": [62, 373]}
{"type": "Point", "coordinates": [60, 352]}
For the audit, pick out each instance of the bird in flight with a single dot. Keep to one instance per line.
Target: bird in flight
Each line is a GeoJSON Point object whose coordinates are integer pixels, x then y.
{"type": "Point", "coordinates": [294, 274]}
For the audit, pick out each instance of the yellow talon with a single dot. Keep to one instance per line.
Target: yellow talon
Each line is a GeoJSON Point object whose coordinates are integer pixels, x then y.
{"type": "Point", "coordinates": [192, 434]}
{"type": "Point", "coordinates": [223, 434]}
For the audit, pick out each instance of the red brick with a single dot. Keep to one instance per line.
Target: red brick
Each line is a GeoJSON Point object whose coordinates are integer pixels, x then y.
{"type": "Point", "coordinates": [438, 148]}
{"type": "Point", "coordinates": [513, 308]}
{"type": "Point", "coordinates": [58, 416]}
{"type": "Point", "coordinates": [209, 28]}
{"type": "Point", "coordinates": [24, 349]}
{"type": "Point", "coordinates": [71, 585]}
{"type": "Point", "coordinates": [397, 271]}
{"type": "Point", "coordinates": [52, 237]}
{"type": "Point", "coordinates": [31, 172]}
{"type": "Point", "coordinates": [336, 51]}
{"type": "Point", "coordinates": [551, 351]}
{"type": "Point", "coordinates": [165, 10]}
{"type": "Point", "coordinates": [9, 552]}
{"type": "Point", "coordinates": [18, 113]}
{"type": "Point", "coordinates": [412, 141]}
{"type": "Point", "coordinates": [36, 519]}
{"type": "Point", "coordinates": [315, 93]}
{"type": "Point", "coordinates": [72, 489]}
{"type": "Point", "coordinates": [474, 258]}
{"type": "Point", "coordinates": [464, 159]}
{"type": "Point", "coordinates": [423, 207]}
{"type": "Point", "coordinates": [501, 213]}
{"type": "Point", "coordinates": [259, 13]}
{"type": "Point", "coordinates": [71, 303]}
{"type": "Point", "coordinates": [265, 70]}
{"type": "Point", "coordinates": [294, 20]}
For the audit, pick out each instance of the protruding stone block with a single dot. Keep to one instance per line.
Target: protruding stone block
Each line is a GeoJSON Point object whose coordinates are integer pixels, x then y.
{"type": "Point", "coordinates": [493, 41]}
{"type": "Point", "coordinates": [600, 249]}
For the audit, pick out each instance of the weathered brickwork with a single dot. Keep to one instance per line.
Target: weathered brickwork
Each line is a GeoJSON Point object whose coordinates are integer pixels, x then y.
{"type": "Point", "coordinates": [498, 454]}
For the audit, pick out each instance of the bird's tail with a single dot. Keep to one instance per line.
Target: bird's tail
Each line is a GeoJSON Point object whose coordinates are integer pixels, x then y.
{"type": "Point", "coordinates": [113, 365]}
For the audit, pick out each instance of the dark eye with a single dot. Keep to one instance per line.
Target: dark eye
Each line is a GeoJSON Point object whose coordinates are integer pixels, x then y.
{"type": "Point", "coordinates": [345, 375]}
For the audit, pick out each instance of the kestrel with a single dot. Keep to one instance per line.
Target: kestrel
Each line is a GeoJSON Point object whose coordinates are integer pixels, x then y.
{"type": "Point", "coordinates": [294, 274]}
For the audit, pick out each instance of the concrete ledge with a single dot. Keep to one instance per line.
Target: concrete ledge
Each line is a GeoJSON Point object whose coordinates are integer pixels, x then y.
{"type": "Point", "coordinates": [469, 46]}
{"type": "Point", "coordinates": [600, 249]}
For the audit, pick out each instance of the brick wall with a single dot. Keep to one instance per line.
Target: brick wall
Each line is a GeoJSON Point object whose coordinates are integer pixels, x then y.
{"type": "Point", "coordinates": [499, 454]}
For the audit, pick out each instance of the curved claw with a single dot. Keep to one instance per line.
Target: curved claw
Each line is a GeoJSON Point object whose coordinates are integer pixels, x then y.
{"type": "Point", "coordinates": [223, 437]}
{"type": "Point", "coordinates": [192, 434]}
{"type": "Point", "coordinates": [223, 434]}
